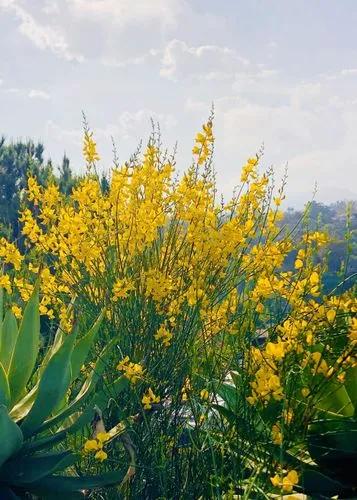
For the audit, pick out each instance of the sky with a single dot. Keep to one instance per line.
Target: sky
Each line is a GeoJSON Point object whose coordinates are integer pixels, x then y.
{"type": "Point", "coordinates": [281, 74]}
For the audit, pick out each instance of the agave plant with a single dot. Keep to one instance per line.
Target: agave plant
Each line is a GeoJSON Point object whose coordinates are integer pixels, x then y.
{"type": "Point", "coordinates": [332, 441]}
{"type": "Point", "coordinates": [37, 411]}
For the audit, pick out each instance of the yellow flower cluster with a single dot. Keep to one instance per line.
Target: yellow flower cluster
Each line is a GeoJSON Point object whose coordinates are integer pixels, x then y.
{"type": "Point", "coordinates": [158, 286]}
{"type": "Point", "coordinates": [121, 289]}
{"type": "Point", "coordinates": [34, 191]}
{"type": "Point", "coordinates": [204, 141]}
{"type": "Point", "coordinates": [90, 148]}
{"type": "Point", "coordinates": [186, 389]}
{"type": "Point", "coordinates": [149, 399]}
{"type": "Point", "coordinates": [132, 371]}
{"type": "Point", "coordinates": [286, 482]}
{"type": "Point", "coordinates": [96, 445]}
{"type": "Point", "coordinates": [90, 233]}
{"type": "Point", "coordinates": [6, 283]}
{"type": "Point", "coordinates": [299, 339]}
{"type": "Point", "coordinates": [10, 254]}
{"type": "Point", "coordinates": [164, 335]}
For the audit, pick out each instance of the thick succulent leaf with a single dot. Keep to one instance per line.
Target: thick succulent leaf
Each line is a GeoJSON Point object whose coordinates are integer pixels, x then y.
{"type": "Point", "coordinates": [48, 441]}
{"type": "Point", "coordinates": [316, 483]}
{"type": "Point", "coordinates": [230, 395]}
{"type": "Point", "coordinates": [338, 434]}
{"type": "Point", "coordinates": [100, 399]}
{"type": "Point", "coordinates": [86, 391]}
{"type": "Point", "coordinates": [27, 469]}
{"type": "Point", "coordinates": [65, 484]}
{"type": "Point", "coordinates": [73, 495]}
{"type": "Point", "coordinates": [11, 437]}
{"type": "Point", "coordinates": [335, 400]}
{"type": "Point", "coordinates": [9, 333]}
{"type": "Point", "coordinates": [1, 305]}
{"type": "Point", "coordinates": [333, 446]}
{"type": "Point", "coordinates": [53, 386]}
{"type": "Point", "coordinates": [21, 409]}
{"type": "Point", "coordinates": [5, 397]}
{"type": "Point", "coordinates": [351, 386]}
{"type": "Point", "coordinates": [25, 352]}
{"type": "Point", "coordinates": [7, 494]}
{"type": "Point", "coordinates": [83, 346]}
{"type": "Point", "coordinates": [60, 336]}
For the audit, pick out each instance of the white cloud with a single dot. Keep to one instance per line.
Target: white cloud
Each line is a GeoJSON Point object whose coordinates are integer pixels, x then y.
{"type": "Point", "coordinates": [129, 121]}
{"type": "Point", "coordinates": [51, 7]}
{"type": "Point", "coordinates": [123, 12]}
{"type": "Point", "coordinates": [31, 93]}
{"type": "Point", "coordinates": [124, 63]}
{"type": "Point", "coordinates": [44, 37]}
{"type": "Point", "coordinates": [349, 72]}
{"type": "Point", "coordinates": [209, 62]}
{"type": "Point", "coordinates": [309, 124]}
{"type": "Point", "coordinates": [304, 118]}
{"type": "Point", "coordinates": [38, 94]}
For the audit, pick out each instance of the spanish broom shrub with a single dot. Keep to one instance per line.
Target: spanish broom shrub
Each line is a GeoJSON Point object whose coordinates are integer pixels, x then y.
{"type": "Point", "coordinates": [229, 356]}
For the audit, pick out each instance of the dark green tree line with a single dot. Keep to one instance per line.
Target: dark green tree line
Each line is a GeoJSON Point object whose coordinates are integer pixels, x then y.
{"type": "Point", "coordinates": [18, 160]}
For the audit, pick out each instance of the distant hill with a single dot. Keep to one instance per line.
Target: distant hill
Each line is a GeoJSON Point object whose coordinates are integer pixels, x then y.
{"type": "Point", "coordinates": [340, 221]}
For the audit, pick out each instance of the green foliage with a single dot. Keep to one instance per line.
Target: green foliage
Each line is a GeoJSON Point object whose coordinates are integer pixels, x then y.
{"type": "Point", "coordinates": [40, 409]}
{"type": "Point", "coordinates": [339, 220]}
{"type": "Point", "coordinates": [18, 160]}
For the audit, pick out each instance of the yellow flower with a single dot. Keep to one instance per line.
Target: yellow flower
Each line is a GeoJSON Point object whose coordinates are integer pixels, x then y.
{"type": "Point", "coordinates": [164, 335]}
{"type": "Point", "coordinates": [149, 398]}
{"type": "Point", "coordinates": [290, 481]}
{"type": "Point", "coordinates": [101, 455]}
{"type": "Point", "coordinates": [17, 311]}
{"type": "Point", "coordinates": [10, 254]}
{"type": "Point", "coordinates": [91, 445]}
{"type": "Point", "coordinates": [34, 190]}
{"type": "Point", "coordinates": [158, 285]}
{"type": "Point", "coordinates": [102, 437]}
{"type": "Point", "coordinates": [24, 288]}
{"type": "Point", "coordinates": [287, 482]}
{"type": "Point", "coordinates": [5, 283]}
{"type": "Point", "coordinates": [90, 148]}
{"type": "Point", "coordinates": [314, 278]}
{"type": "Point", "coordinates": [353, 330]}
{"type": "Point", "coordinates": [32, 268]}
{"type": "Point", "coordinates": [132, 371]}
{"type": "Point", "coordinates": [204, 394]}
{"type": "Point", "coordinates": [121, 289]}
{"type": "Point", "coordinates": [275, 480]}
{"type": "Point", "coordinates": [305, 391]}
{"type": "Point", "coordinates": [204, 141]}
{"type": "Point", "coordinates": [276, 434]}
{"type": "Point", "coordinates": [320, 364]}
{"type": "Point", "coordinates": [331, 315]}
{"type": "Point", "coordinates": [298, 264]}
{"type": "Point", "coordinates": [276, 350]}
{"type": "Point", "coordinates": [259, 308]}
